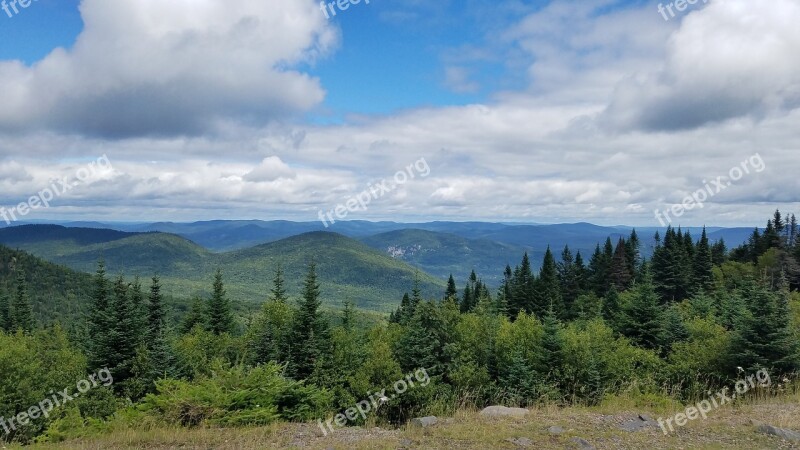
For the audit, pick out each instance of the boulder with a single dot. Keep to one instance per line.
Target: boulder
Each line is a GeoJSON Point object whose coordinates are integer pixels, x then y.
{"type": "Point", "coordinates": [503, 411]}
{"type": "Point", "coordinates": [789, 435]}
{"type": "Point", "coordinates": [424, 422]}
{"type": "Point", "coordinates": [520, 441]}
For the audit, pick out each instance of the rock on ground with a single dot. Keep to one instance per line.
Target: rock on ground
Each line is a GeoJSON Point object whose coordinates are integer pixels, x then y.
{"type": "Point", "coordinates": [502, 411]}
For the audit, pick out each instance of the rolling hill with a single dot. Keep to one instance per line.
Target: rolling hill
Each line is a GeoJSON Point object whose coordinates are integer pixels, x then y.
{"type": "Point", "coordinates": [442, 254]}
{"type": "Point", "coordinates": [347, 269]}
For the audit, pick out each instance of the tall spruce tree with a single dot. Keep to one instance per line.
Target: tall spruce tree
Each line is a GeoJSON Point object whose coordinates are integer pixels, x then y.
{"type": "Point", "coordinates": [5, 311]}
{"type": "Point", "coordinates": [621, 274]}
{"type": "Point", "coordinates": [197, 316]}
{"type": "Point", "coordinates": [309, 329]}
{"type": "Point", "coordinates": [21, 313]}
{"type": "Point", "coordinates": [634, 253]}
{"type": "Point", "coordinates": [548, 289]}
{"type": "Point", "coordinates": [642, 320]}
{"type": "Point", "coordinates": [451, 291]}
{"type": "Point", "coordinates": [600, 271]}
{"type": "Point", "coordinates": [122, 335]}
{"type": "Point", "coordinates": [220, 316]}
{"type": "Point", "coordinates": [522, 288]}
{"type": "Point", "coordinates": [569, 278]}
{"type": "Point", "coordinates": [703, 276]}
{"type": "Point", "coordinates": [159, 351]}
{"type": "Point", "coordinates": [278, 292]}
{"type": "Point", "coordinates": [99, 320]}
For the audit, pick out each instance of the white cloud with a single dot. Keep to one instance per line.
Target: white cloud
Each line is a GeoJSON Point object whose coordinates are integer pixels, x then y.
{"type": "Point", "coordinates": [150, 67]}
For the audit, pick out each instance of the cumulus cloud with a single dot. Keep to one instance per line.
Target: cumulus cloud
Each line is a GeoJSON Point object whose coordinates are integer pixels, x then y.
{"type": "Point", "coordinates": [732, 59]}
{"type": "Point", "coordinates": [183, 67]}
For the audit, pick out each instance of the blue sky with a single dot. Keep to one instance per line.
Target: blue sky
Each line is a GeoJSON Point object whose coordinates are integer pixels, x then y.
{"type": "Point", "coordinates": [543, 111]}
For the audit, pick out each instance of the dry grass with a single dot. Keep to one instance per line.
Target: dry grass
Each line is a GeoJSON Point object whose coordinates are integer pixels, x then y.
{"type": "Point", "coordinates": [728, 427]}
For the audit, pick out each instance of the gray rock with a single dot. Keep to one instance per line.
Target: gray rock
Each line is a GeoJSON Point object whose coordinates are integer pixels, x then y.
{"type": "Point", "coordinates": [520, 442]}
{"type": "Point", "coordinates": [502, 411]}
{"type": "Point", "coordinates": [555, 430]}
{"type": "Point", "coordinates": [424, 422]}
{"type": "Point", "coordinates": [582, 443]}
{"type": "Point", "coordinates": [639, 423]}
{"type": "Point", "coordinates": [782, 433]}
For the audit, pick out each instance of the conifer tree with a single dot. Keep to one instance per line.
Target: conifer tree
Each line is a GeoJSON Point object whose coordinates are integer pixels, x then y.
{"type": "Point", "coordinates": [642, 318]}
{"type": "Point", "coordinates": [21, 313]}
{"type": "Point", "coordinates": [5, 311]}
{"type": "Point", "coordinates": [197, 316]}
{"type": "Point", "coordinates": [569, 278]}
{"type": "Point", "coordinates": [600, 271]}
{"type": "Point", "coordinates": [764, 338]}
{"type": "Point", "coordinates": [416, 293]}
{"type": "Point", "coordinates": [703, 266]}
{"type": "Point", "coordinates": [278, 292]}
{"type": "Point", "coordinates": [122, 338]}
{"type": "Point", "coordinates": [451, 291]}
{"type": "Point", "coordinates": [139, 311]}
{"type": "Point", "coordinates": [719, 252]}
{"type": "Point", "coordinates": [612, 309]}
{"type": "Point", "coordinates": [548, 289]}
{"type": "Point", "coordinates": [348, 315]}
{"type": "Point", "coordinates": [99, 320]}
{"type": "Point", "coordinates": [621, 274]}
{"type": "Point", "coordinates": [220, 316]}
{"type": "Point", "coordinates": [552, 346]}
{"type": "Point", "coordinates": [634, 253]}
{"type": "Point", "coordinates": [160, 354]}
{"type": "Point", "coordinates": [522, 288]}
{"type": "Point", "coordinates": [309, 329]}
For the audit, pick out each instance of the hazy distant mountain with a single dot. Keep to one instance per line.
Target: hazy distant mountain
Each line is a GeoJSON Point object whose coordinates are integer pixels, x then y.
{"type": "Point", "coordinates": [442, 254]}
{"type": "Point", "coordinates": [347, 269]}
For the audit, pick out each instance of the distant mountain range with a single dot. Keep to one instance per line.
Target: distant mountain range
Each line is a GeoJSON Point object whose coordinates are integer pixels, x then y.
{"type": "Point", "coordinates": [372, 263]}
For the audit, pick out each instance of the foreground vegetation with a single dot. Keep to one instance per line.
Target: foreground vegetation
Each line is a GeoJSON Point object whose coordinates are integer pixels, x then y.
{"type": "Point", "coordinates": [659, 333]}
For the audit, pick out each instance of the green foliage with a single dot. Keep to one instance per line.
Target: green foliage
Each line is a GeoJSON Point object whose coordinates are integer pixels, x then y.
{"type": "Point", "coordinates": [236, 396]}
{"type": "Point", "coordinates": [30, 367]}
{"type": "Point", "coordinates": [220, 316]}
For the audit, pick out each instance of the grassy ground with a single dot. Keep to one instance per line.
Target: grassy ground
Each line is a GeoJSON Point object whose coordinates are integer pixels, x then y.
{"type": "Point", "coordinates": [728, 427]}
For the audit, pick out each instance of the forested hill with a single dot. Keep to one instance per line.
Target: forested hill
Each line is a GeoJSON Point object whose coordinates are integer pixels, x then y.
{"type": "Point", "coordinates": [56, 292]}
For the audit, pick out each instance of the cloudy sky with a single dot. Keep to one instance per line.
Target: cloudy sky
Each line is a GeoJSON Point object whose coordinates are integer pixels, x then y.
{"type": "Point", "coordinates": [531, 111]}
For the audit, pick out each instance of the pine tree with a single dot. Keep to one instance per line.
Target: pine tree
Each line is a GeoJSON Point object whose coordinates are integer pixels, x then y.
{"type": "Point", "coordinates": [309, 330]}
{"type": "Point", "coordinates": [139, 311]}
{"type": "Point", "coordinates": [122, 338]}
{"type": "Point", "coordinates": [719, 252]}
{"type": "Point", "coordinates": [220, 316]}
{"type": "Point", "coordinates": [703, 266]}
{"type": "Point", "coordinates": [634, 253]}
{"type": "Point", "coordinates": [278, 292]}
{"type": "Point", "coordinates": [612, 309]}
{"type": "Point", "coordinates": [416, 294]}
{"type": "Point", "coordinates": [160, 354]}
{"type": "Point", "coordinates": [451, 291]}
{"type": "Point", "coordinates": [197, 316]}
{"type": "Point", "coordinates": [21, 313]}
{"type": "Point", "coordinates": [348, 315]}
{"type": "Point", "coordinates": [764, 338]}
{"type": "Point", "coordinates": [5, 311]}
{"type": "Point", "coordinates": [552, 346]}
{"type": "Point", "coordinates": [99, 320]}
{"type": "Point", "coordinates": [642, 318]}
{"type": "Point", "coordinates": [522, 288]}
{"type": "Point", "coordinates": [791, 232]}
{"type": "Point", "coordinates": [569, 278]}
{"type": "Point", "coordinates": [548, 289]}
{"type": "Point", "coordinates": [600, 271]}
{"type": "Point", "coordinates": [621, 274]}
